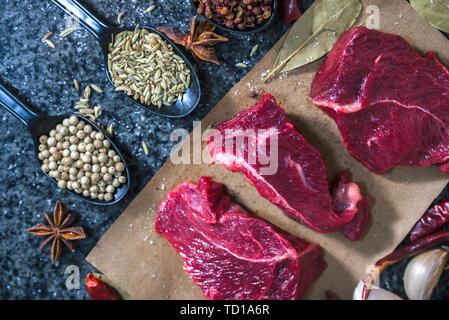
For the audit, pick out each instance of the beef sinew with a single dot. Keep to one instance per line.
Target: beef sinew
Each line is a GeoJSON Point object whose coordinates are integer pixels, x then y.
{"type": "Point", "coordinates": [231, 254]}
{"type": "Point", "coordinates": [390, 104]}
{"type": "Point", "coordinates": [299, 183]}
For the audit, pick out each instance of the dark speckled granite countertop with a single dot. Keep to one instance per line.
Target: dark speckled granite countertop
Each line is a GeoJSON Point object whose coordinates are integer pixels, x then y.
{"type": "Point", "coordinates": [43, 78]}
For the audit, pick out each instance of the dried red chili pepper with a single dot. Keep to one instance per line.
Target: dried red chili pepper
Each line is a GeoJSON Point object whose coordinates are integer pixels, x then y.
{"type": "Point", "coordinates": [290, 10]}
{"type": "Point", "coordinates": [414, 248]}
{"type": "Point", "coordinates": [433, 220]}
{"type": "Point", "coordinates": [100, 290]}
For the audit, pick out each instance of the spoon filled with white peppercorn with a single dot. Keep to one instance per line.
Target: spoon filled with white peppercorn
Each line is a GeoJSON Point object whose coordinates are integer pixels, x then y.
{"type": "Point", "coordinates": [142, 63]}
{"type": "Point", "coordinates": [74, 153]}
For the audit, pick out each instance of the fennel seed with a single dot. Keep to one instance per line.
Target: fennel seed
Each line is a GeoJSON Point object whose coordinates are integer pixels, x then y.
{"type": "Point", "coordinates": [253, 50]}
{"type": "Point", "coordinates": [119, 17]}
{"type": "Point", "coordinates": [146, 68]}
{"type": "Point", "coordinates": [87, 92]}
{"type": "Point", "coordinates": [241, 65]}
{"type": "Point", "coordinates": [66, 32]}
{"type": "Point", "coordinates": [50, 44]}
{"type": "Point", "coordinates": [76, 84]}
{"type": "Point", "coordinates": [150, 8]}
{"type": "Point", "coordinates": [145, 148]}
{"type": "Point", "coordinates": [96, 88]}
{"type": "Point", "coordinates": [47, 36]}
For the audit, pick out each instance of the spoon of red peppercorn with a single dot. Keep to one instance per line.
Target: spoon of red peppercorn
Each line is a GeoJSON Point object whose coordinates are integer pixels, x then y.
{"type": "Point", "coordinates": [104, 33]}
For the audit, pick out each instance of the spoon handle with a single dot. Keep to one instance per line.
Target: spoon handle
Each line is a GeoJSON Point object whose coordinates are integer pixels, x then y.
{"type": "Point", "coordinates": [72, 7]}
{"type": "Point", "coordinates": [12, 104]}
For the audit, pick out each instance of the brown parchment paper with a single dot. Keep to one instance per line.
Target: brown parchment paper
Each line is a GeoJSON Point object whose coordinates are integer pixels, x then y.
{"type": "Point", "coordinates": [144, 264]}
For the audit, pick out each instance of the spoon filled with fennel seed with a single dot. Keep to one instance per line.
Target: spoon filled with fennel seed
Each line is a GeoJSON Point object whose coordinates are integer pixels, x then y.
{"type": "Point", "coordinates": [143, 64]}
{"type": "Point", "coordinates": [50, 133]}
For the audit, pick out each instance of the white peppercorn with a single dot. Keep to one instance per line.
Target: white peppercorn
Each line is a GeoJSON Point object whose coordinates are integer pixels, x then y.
{"type": "Point", "coordinates": [108, 197]}
{"type": "Point", "coordinates": [62, 184]}
{"type": "Point", "coordinates": [72, 130]}
{"type": "Point", "coordinates": [73, 120]}
{"type": "Point", "coordinates": [74, 140]}
{"type": "Point", "coordinates": [110, 189]}
{"type": "Point", "coordinates": [84, 180]}
{"type": "Point", "coordinates": [112, 170]}
{"type": "Point", "coordinates": [51, 141]}
{"type": "Point", "coordinates": [90, 147]}
{"type": "Point", "coordinates": [43, 139]}
{"type": "Point", "coordinates": [115, 183]}
{"type": "Point", "coordinates": [58, 136]}
{"type": "Point", "coordinates": [52, 165]}
{"type": "Point", "coordinates": [66, 122]}
{"type": "Point", "coordinates": [95, 178]}
{"type": "Point", "coordinates": [81, 134]}
{"type": "Point", "coordinates": [120, 167]}
{"type": "Point", "coordinates": [56, 156]}
{"type": "Point", "coordinates": [88, 129]}
{"type": "Point", "coordinates": [64, 130]}
{"type": "Point", "coordinates": [87, 140]}
{"type": "Point", "coordinates": [86, 158]}
{"type": "Point", "coordinates": [74, 155]}
{"type": "Point", "coordinates": [87, 167]}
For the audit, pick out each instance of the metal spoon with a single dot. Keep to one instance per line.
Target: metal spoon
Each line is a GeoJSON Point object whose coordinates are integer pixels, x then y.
{"type": "Point", "coordinates": [103, 33]}
{"type": "Point", "coordinates": [39, 124]}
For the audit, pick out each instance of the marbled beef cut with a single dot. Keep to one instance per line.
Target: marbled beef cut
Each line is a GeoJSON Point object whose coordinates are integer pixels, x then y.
{"type": "Point", "coordinates": [231, 254]}
{"type": "Point", "coordinates": [299, 183]}
{"type": "Point", "coordinates": [390, 104]}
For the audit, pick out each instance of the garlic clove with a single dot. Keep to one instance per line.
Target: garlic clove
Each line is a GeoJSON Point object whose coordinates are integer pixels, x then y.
{"type": "Point", "coordinates": [423, 272]}
{"type": "Point", "coordinates": [376, 293]}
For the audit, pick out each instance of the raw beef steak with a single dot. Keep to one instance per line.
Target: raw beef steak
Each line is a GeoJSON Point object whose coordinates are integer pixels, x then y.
{"type": "Point", "coordinates": [390, 104]}
{"type": "Point", "coordinates": [299, 184]}
{"type": "Point", "coordinates": [231, 254]}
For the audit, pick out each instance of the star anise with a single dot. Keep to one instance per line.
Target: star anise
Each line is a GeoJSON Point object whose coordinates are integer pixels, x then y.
{"type": "Point", "coordinates": [200, 41]}
{"type": "Point", "coordinates": [59, 230]}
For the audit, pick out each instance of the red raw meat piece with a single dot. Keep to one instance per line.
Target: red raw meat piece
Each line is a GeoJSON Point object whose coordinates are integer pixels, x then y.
{"type": "Point", "coordinates": [231, 254]}
{"type": "Point", "coordinates": [299, 186]}
{"type": "Point", "coordinates": [390, 104]}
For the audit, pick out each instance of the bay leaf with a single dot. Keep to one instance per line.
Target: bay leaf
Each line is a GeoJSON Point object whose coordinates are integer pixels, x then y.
{"type": "Point", "coordinates": [315, 32]}
{"type": "Point", "coordinates": [435, 12]}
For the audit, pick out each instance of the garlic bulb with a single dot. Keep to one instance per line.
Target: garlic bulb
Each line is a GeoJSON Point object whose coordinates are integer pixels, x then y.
{"type": "Point", "coordinates": [423, 272]}
{"type": "Point", "coordinates": [376, 293]}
